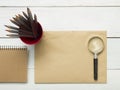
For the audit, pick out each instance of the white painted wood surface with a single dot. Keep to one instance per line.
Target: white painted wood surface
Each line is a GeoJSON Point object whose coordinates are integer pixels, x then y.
{"type": "Point", "coordinates": [68, 15]}
{"type": "Point", "coordinates": [74, 3]}
{"type": "Point", "coordinates": [60, 3]}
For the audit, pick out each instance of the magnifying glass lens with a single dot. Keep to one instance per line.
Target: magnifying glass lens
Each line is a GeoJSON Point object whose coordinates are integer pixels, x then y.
{"type": "Point", "coordinates": [96, 45]}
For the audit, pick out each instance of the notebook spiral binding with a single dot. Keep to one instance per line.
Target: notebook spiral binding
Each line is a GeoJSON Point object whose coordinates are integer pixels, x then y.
{"type": "Point", "coordinates": [7, 47]}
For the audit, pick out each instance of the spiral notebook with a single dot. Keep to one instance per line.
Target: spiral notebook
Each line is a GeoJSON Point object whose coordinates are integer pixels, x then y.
{"type": "Point", "coordinates": [13, 63]}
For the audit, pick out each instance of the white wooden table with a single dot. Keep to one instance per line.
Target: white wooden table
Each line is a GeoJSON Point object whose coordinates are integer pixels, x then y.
{"type": "Point", "coordinates": [68, 15]}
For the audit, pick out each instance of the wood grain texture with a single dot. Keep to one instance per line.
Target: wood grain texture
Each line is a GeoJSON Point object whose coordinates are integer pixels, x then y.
{"type": "Point", "coordinates": [60, 3]}
{"type": "Point", "coordinates": [69, 15]}
{"type": "Point", "coordinates": [74, 3]}
{"type": "Point", "coordinates": [13, 3]}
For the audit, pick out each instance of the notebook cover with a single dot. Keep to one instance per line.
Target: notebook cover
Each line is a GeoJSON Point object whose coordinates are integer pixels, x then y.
{"type": "Point", "coordinates": [13, 65]}
{"type": "Point", "coordinates": [63, 57]}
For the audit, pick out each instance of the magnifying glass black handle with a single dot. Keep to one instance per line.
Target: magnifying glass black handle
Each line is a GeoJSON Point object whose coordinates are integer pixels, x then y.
{"type": "Point", "coordinates": [95, 68]}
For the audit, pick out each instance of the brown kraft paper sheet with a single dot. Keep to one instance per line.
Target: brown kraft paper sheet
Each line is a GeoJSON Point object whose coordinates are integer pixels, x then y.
{"type": "Point", "coordinates": [63, 57]}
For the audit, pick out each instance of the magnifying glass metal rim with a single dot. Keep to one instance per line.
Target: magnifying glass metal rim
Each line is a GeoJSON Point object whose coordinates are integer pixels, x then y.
{"type": "Point", "coordinates": [95, 56]}
{"type": "Point", "coordinates": [92, 39]}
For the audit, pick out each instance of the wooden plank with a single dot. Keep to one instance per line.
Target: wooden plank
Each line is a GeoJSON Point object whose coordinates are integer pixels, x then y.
{"type": "Point", "coordinates": [113, 51]}
{"type": "Point", "coordinates": [70, 18]}
{"type": "Point", "coordinates": [74, 3]}
{"type": "Point", "coordinates": [60, 3]}
{"type": "Point", "coordinates": [112, 84]}
{"type": "Point", "coordinates": [13, 3]}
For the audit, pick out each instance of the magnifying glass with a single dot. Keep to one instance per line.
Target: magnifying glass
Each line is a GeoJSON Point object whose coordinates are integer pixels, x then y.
{"type": "Point", "coordinates": [95, 46]}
